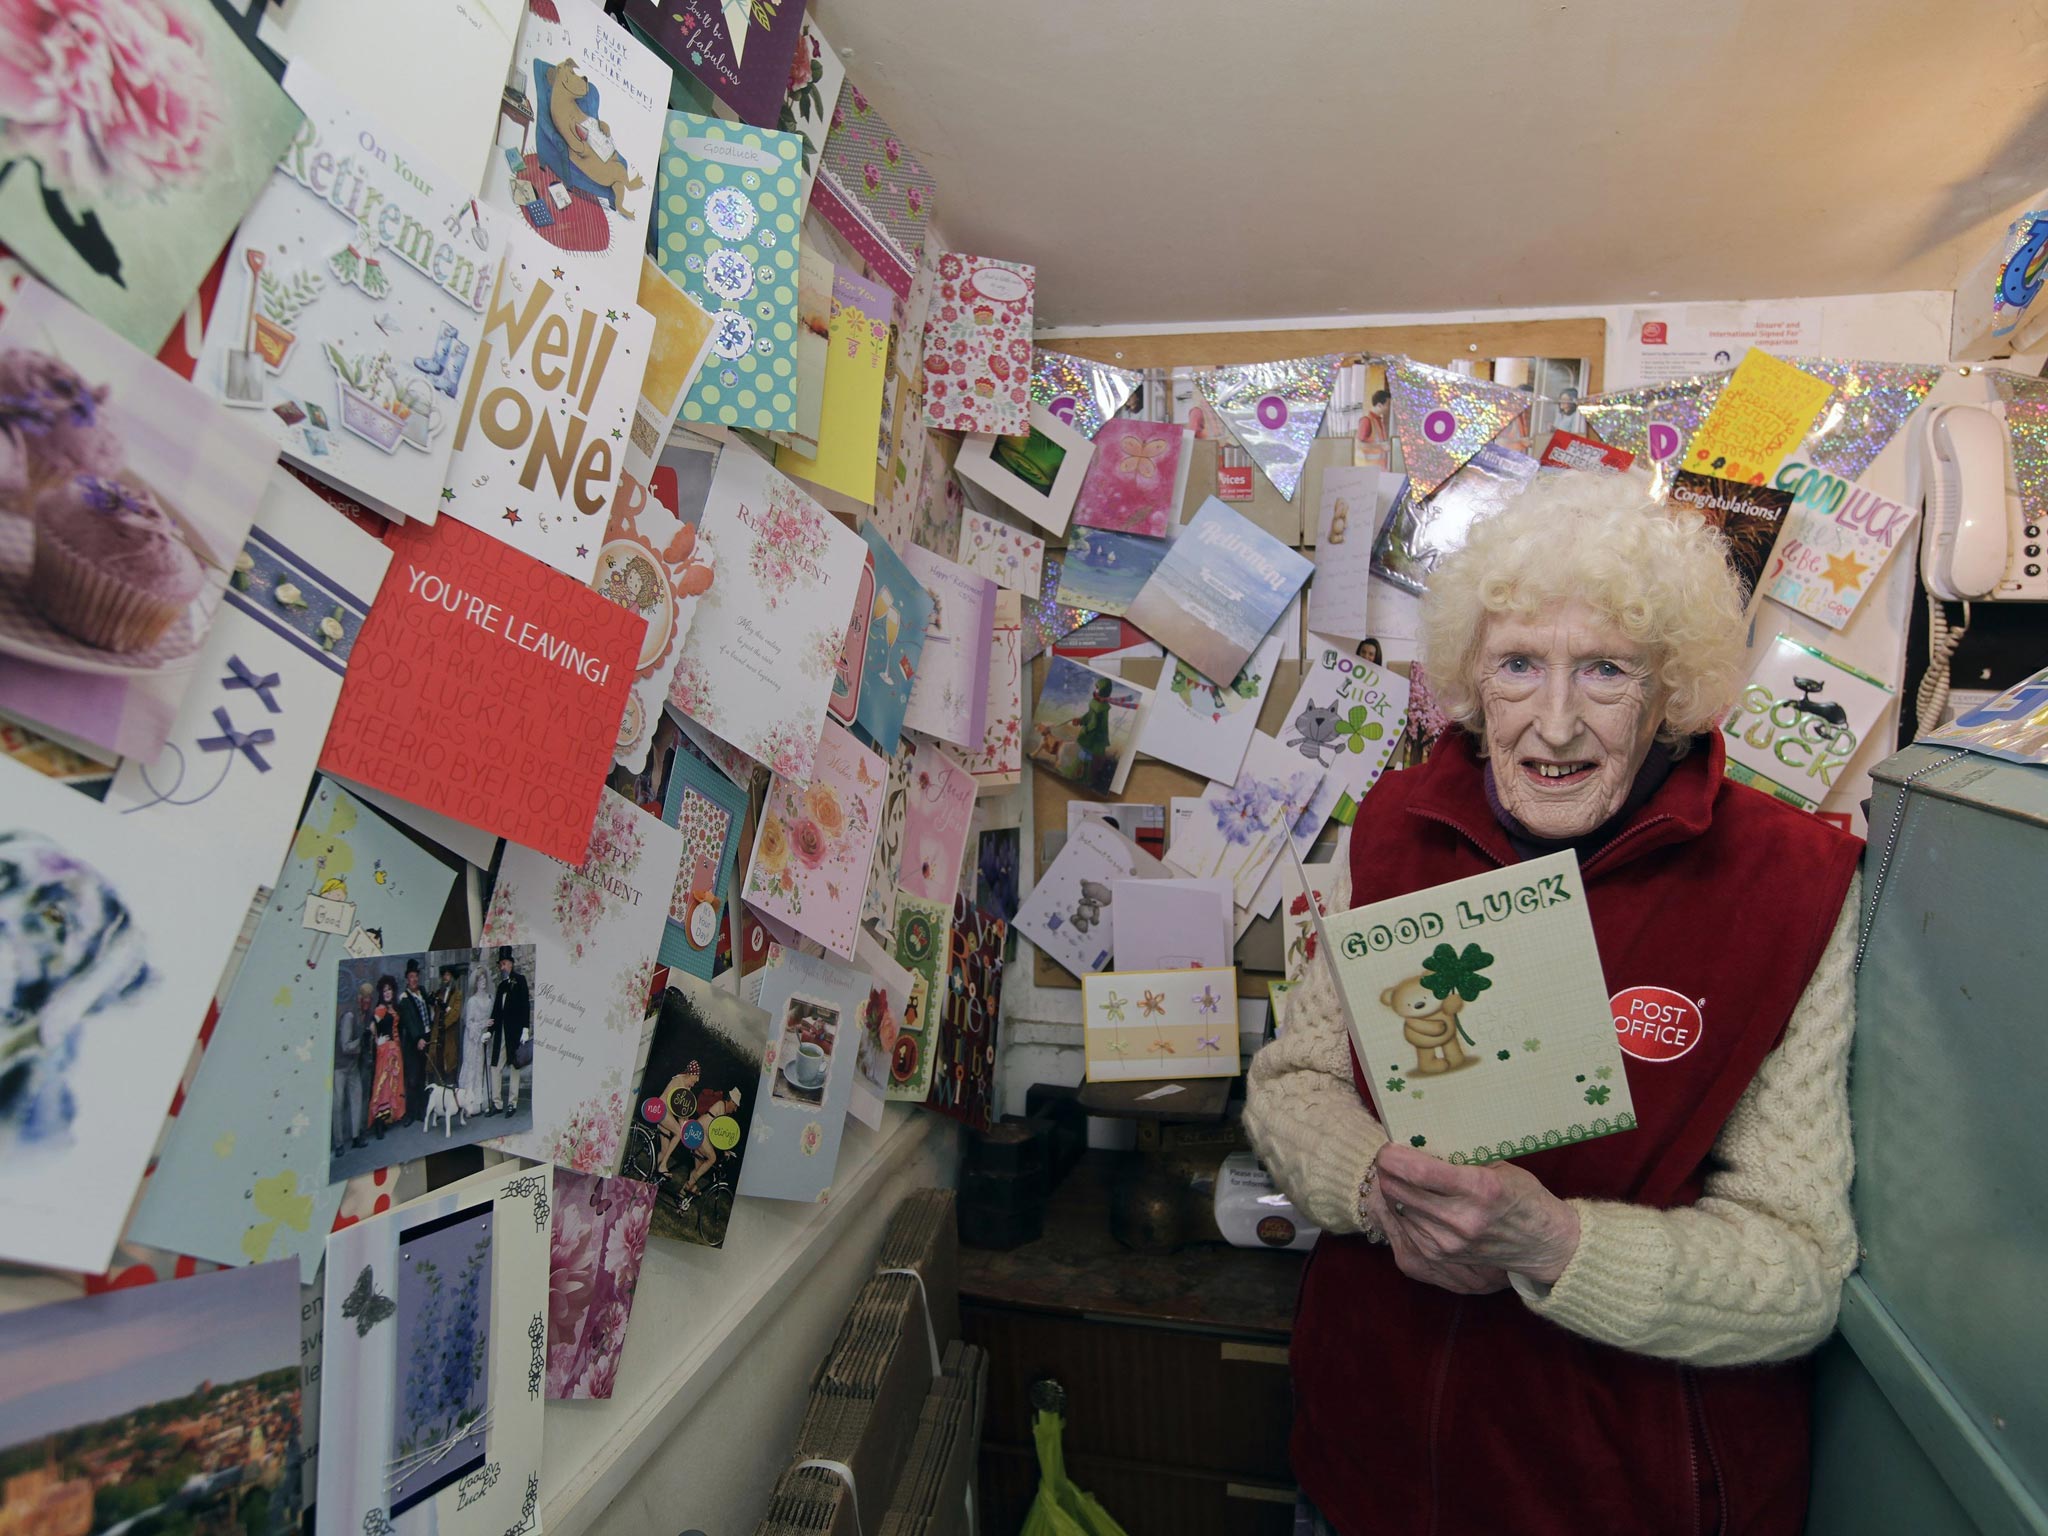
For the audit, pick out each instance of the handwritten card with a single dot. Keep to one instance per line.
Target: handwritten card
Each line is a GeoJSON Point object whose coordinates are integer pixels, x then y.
{"type": "Point", "coordinates": [1837, 539]}
{"type": "Point", "coordinates": [1766, 408]}
{"type": "Point", "coordinates": [1149, 1026]}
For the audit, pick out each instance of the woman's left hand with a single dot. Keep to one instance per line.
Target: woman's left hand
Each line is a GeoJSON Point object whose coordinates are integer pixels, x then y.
{"type": "Point", "coordinates": [1493, 1214]}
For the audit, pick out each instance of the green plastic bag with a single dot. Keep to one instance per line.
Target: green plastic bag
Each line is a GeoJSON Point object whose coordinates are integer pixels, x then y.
{"type": "Point", "coordinates": [1061, 1509]}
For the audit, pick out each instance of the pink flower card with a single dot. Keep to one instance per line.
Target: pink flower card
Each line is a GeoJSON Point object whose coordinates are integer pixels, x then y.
{"type": "Point", "coordinates": [1007, 555]}
{"type": "Point", "coordinates": [600, 1237]}
{"type": "Point", "coordinates": [817, 839]}
{"type": "Point", "coordinates": [977, 345]}
{"type": "Point", "coordinates": [938, 808]}
{"type": "Point", "coordinates": [1137, 478]}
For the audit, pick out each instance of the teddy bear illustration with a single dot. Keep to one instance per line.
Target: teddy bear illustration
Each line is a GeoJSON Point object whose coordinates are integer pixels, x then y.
{"type": "Point", "coordinates": [1428, 1006]}
{"type": "Point", "coordinates": [586, 138]}
{"type": "Point", "coordinates": [1088, 909]}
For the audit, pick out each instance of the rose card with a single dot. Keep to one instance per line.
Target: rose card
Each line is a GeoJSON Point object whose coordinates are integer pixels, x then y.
{"type": "Point", "coordinates": [977, 346]}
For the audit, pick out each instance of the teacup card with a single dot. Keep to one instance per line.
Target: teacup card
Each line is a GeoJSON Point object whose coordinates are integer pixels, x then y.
{"type": "Point", "coordinates": [1149, 1026]}
{"type": "Point", "coordinates": [814, 1007]}
{"type": "Point", "coordinates": [1479, 1011]}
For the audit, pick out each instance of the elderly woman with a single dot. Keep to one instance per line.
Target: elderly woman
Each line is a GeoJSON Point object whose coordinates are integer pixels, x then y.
{"type": "Point", "coordinates": [1602, 1337]}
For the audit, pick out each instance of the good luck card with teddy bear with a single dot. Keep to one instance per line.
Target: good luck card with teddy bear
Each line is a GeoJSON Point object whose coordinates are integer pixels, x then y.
{"type": "Point", "coordinates": [1479, 1011]}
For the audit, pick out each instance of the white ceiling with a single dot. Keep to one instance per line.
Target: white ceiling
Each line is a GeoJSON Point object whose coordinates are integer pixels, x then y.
{"type": "Point", "coordinates": [1170, 160]}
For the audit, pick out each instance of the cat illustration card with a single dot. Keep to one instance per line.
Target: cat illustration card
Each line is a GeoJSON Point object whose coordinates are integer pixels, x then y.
{"type": "Point", "coordinates": [1479, 1012]}
{"type": "Point", "coordinates": [1085, 725]}
{"type": "Point", "coordinates": [1150, 1026]}
{"type": "Point", "coordinates": [816, 840]}
{"type": "Point", "coordinates": [884, 644]}
{"type": "Point", "coordinates": [119, 206]}
{"type": "Point", "coordinates": [1800, 719]}
{"type": "Point", "coordinates": [813, 1006]}
{"type": "Point", "coordinates": [1348, 717]}
{"type": "Point", "coordinates": [756, 668]}
{"type": "Point", "coordinates": [1070, 913]}
{"type": "Point", "coordinates": [435, 1330]}
{"type": "Point", "coordinates": [1206, 729]}
{"type": "Point", "coordinates": [581, 178]}
{"type": "Point", "coordinates": [707, 808]}
{"type": "Point", "coordinates": [595, 926]}
{"type": "Point", "coordinates": [688, 1130]}
{"type": "Point", "coordinates": [1137, 479]}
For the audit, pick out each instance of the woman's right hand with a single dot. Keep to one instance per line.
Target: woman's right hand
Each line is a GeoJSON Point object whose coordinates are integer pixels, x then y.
{"type": "Point", "coordinates": [1458, 1279]}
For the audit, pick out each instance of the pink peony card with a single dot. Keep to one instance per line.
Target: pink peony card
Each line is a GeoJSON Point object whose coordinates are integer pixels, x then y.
{"type": "Point", "coordinates": [977, 346]}
{"type": "Point", "coordinates": [937, 810]}
{"type": "Point", "coordinates": [817, 839]}
{"type": "Point", "coordinates": [600, 1237]}
{"type": "Point", "coordinates": [1136, 479]}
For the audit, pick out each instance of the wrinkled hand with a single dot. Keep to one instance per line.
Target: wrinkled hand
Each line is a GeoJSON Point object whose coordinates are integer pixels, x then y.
{"type": "Point", "coordinates": [1470, 1223]}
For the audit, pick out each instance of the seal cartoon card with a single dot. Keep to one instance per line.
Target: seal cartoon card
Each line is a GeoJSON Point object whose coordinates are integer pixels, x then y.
{"type": "Point", "coordinates": [1480, 1014]}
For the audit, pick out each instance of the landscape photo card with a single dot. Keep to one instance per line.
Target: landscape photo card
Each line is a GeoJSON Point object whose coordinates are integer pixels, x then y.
{"type": "Point", "coordinates": [119, 207]}
{"type": "Point", "coordinates": [1036, 472]}
{"type": "Point", "coordinates": [1799, 720]}
{"type": "Point", "coordinates": [486, 686]}
{"type": "Point", "coordinates": [1070, 913]}
{"type": "Point", "coordinates": [816, 840]}
{"type": "Point", "coordinates": [757, 666]}
{"type": "Point", "coordinates": [251, 1167]}
{"type": "Point", "coordinates": [595, 927]}
{"type": "Point", "coordinates": [813, 1007]}
{"type": "Point", "coordinates": [1084, 726]}
{"type": "Point", "coordinates": [1219, 591]}
{"type": "Point", "coordinates": [1480, 1014]}
{"type": "Point", "coordinates": [581, 177]}
{"type": "Point", "coordinates": [125, 498]}
{"type": "Point", "coordinates": [688, 1130]}
{"type": "Point", "coordinates": [885, 641]}
{"type": "Point", "coordinates": [1146, 1026]}
{"type": "Point", "coordinates": [353, 305]}
{"type": "Point", "coordinates": [434, 1360]}
{"type": "Point", "coordinates": [1103, 573]}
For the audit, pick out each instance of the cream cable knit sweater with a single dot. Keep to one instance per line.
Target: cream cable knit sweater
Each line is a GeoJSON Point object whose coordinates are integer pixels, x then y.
{"type": "Point", "coordinates": [1752, 1272]}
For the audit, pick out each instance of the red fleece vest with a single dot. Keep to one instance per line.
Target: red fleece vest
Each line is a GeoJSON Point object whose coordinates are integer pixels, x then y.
{"type": "Point", "coordinates": [1417, 1411]}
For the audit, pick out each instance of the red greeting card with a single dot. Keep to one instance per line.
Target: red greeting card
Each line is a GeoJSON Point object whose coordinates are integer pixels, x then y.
{"type": "Point", "coordinates": [487, 686]}
{"type": "Point", "coordinates": [1568, 450]}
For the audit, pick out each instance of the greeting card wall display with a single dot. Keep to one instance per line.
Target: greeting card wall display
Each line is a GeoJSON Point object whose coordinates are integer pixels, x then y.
{"type": "Point", "coordinates": [600, 1237]}
{"type": "Point", "coordinates": [1037, 472]}
{"type": "Point", "coordinates": [1240, 827]}
{"type": "Point", "coordinates": [707, 808]}
{"type": "Point", "coordinates": [1085, 725]}
{"type": "Point", "coordinates": [813, 1007]}
{"type": "Point", "coordinates": [538, 441]}
{"type": "Point", "coordinates": [656, 564]}
{"type": "Point", "coordinates": [728, 223]}
{"type": "Point", "coordinates": [1137, 479]}
{"type": "Point", "coordinates": [856, 358]}
{"type": "Point", "coordinates": [1000, 762]}
{"type": "Point", "coordinates": [694, 1107]}
{"type": "Point", "coordinates": [742, 53]}
{"type": "Point", "coordinates": [873, 191]}
{"type": "Point", "coordinates": [241, 751]}
{"type": "Point", "coordinates": [595, 927]}
{"type": "Point", "coordinates": [353, 306]}
{"type": "Point", "coordinates": [977, 345]}
{"type": "Point", "coordinates": [921, 945]}
{"type": "Point", "coordinates": [1196, 725]}
{"type": "Point", "coordinates": [125, 497]}
{"type": "Point", "coordinates": [217, 1354]}
{"type": "Point", "coordinates": [435, 1360]}
{"type": "Point", "coordinates": [1345, 524]}
{"type": "Point", "coordinates": [117, 943]}
{"type": "Point", "coordinates": [244, 1173]}
{"type": "Point", "coordinates": [1800, 719]}
{"type": "Point", "coordinates": [1070, 913]}
{"type": "Point", "coordinates": [950, 698]}
{"type": "Point", "coordinates": [1220, 589]}
{"type": "Point", "coordinates": [1837, 538]}
{"type": "Point", "coordinates": [1479, 1012]}
{"type": "Point", "coordinates": [119, 206]}
{"type": "Point", "coordinates": [964, 1064]}
{"type": "Point", "coordinates": [1008, 556]}
{"type": "Point", "coordinates": [884, 643]}
{"type": "Point", "coordinates": [595, 100]}
{"type": "Point", "coordinates": [488, 687]}
{"type": "Point", "coordinates": [1105, 572]}
{"type": "Point", "coordinates": [815, 842]}
{"type": "Point", "coordinates": [1147, 1026]}
{"type": "Point", "coordinates": [812, 92]}
{"type": "Point", "coordinates": [1347, 717]}
{"type": "Point", "coordinates": [758, 663]}
{"type": "Point", "coordinates": [1763, 412]}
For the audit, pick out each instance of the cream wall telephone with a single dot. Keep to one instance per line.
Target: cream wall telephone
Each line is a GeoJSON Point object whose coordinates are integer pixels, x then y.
{"type": "Point", "coordinates": [1976, 544]}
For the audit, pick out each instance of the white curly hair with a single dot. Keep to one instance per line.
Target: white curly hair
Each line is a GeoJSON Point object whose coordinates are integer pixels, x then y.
{"type": "Point", "coordinates": [1657, 574]}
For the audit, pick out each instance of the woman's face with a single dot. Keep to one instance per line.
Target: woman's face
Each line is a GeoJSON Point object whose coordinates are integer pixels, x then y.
{"type": "Point", "coordinates": [1571, 709]}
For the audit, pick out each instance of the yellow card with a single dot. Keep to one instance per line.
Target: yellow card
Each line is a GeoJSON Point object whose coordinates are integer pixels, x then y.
{"type": "Point", "coordinates": [1765, 411]}
{"type": "Point", "coordinates": [850, 425]}
{"type": "Point", "coordinates": [682, 336]}
{"type": "Point", "coordinates": [1149, 1026]}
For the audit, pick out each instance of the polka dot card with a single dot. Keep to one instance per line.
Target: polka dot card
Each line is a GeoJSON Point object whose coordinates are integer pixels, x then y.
{"type": "Point", "coordinates": [728, 213]}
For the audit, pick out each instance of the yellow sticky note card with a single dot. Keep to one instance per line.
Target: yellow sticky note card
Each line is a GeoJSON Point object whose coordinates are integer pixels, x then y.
{"type": "Point", "coordinates": [849, 427]}
{"type": "Point", "coordinates": [1765, 411]}
{"type": "Point", "coordinates": [682, 335]}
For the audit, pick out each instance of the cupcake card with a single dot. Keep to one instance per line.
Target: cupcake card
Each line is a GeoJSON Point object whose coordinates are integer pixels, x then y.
{"type": "Point", "coordinates": [977, 345]}
{"type": "Point", "coordinates": [125, 496]}
{"type": "Point", "coordinates": [541, 433]}
{"type": "Point", "coordinates": [352, 309]}
{"type": "Point", "coordinates": [728, 223]}
{"type": "Point", "coordinates": [816, 841]}
{"type": "Point", "coordinates": [581, 181]}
